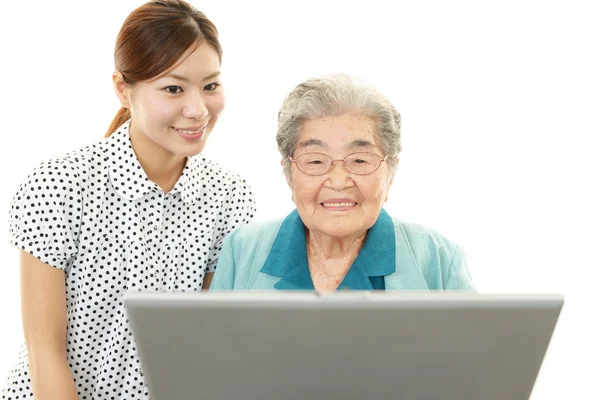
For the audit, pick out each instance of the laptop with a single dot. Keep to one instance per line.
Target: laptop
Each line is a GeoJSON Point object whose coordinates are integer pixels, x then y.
{"type": "Point", "coordinates": [344, 345]}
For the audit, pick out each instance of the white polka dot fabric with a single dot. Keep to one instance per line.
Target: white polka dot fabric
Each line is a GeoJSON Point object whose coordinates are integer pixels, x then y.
{"type": "Point", "coordinates": [94, 214]}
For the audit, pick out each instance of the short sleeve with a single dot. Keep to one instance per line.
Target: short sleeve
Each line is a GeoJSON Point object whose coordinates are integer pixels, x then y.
{"type": "Point", "coordinates": [239, 208]}
{"type": "Point", "coordinates": [45, 213]}
{"type": "Point", "coordinates": [459, 277]}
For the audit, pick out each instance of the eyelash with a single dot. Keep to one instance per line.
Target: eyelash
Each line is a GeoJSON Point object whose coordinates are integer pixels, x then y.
{"type": "Point", "coordinates": [215, 84]}
{"type": "Point", "coordinates": [177, 88]}
{"type": "Point", "coordinates": [180, 90]}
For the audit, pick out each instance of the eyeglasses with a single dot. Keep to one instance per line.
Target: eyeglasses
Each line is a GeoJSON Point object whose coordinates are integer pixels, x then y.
{"type": "Point", "coordinates": [316, 164]}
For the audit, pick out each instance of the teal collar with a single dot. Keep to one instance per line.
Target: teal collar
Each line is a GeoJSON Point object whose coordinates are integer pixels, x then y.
{"type": "Point", "coordinates": [288, 259]}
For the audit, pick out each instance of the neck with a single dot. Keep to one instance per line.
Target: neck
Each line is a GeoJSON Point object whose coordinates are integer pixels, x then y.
{"type": "Point", "coordinates": [335, 247]}
{"type": "Point", "coordinates": [161, 166]}
{"type": "Point", "coordinates": [335, 254]}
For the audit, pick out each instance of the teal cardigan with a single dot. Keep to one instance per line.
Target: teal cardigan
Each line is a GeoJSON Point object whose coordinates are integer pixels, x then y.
{"type": "Point", "coordinates": [272, 255]}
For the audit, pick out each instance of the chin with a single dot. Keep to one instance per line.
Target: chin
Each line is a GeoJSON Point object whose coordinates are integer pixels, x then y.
{"type": "Point", "coordinates": [341, 231]}
{"type": "Point", "coordinates": [190, 150]}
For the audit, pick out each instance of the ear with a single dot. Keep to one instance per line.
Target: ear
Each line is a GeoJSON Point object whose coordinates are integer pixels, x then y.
{"type": "Point", "coordinates": [282, 163]}
{"type": "Point", "coordinates": [122, 89]}
{"type": "Point", "coordinates": [387, 190]}
{"type": "Point", "coordinates": [289, 181]}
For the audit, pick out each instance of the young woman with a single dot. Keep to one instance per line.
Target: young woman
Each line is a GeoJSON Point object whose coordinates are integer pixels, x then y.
{"type": "Point", "coordinates": [138, 210]}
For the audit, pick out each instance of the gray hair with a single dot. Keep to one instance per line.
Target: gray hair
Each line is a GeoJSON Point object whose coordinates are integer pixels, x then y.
{"type": "Point", "coordinates": [335, 95]}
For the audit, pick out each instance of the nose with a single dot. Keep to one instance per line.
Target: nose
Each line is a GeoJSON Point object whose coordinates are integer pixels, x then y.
{"type": "Point", "coordinates": [339, 178]}
{"type": "Point", "coordinates": [195, 107]}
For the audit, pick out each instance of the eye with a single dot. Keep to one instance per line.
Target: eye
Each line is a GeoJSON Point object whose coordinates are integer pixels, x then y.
{"type": "Point", "coordinates": [359, 161]}
{"type": "Point", "coordinates": [211, 87]}
{"type": "Point", "coordinates": [312, 160]}
{"type": "Point", "coordinates": [173, 89]}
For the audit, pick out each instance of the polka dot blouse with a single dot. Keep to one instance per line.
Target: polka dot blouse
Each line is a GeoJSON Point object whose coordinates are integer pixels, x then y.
{"type": "Point", "coordinates": [96, 215]}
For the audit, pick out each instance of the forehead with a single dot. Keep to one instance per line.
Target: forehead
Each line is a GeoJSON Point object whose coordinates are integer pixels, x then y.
{"type": "Point", "coordinates": [338, 131]}
{"type": "Point", "coordinates": [202, 57]}
{"type": "Point", "coordinates": [196, 63]}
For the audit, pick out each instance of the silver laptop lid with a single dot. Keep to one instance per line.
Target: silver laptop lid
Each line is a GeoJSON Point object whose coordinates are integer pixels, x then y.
{"type": "Point", "coordinates": [347, 345]}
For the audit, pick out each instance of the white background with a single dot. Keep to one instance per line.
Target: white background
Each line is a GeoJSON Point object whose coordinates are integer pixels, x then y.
{"type": "Point", "coordinates": [500, 105]}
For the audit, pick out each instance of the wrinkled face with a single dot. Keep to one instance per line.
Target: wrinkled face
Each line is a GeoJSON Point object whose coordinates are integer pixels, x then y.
{"type": "Point", "coordinates": [339, 203]}
{"type": "Point", "coordinates": [178, 110]}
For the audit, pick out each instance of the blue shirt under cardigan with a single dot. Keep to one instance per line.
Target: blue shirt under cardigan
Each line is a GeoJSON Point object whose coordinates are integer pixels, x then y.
{"type": "Point", "coordinates": [272, 255]}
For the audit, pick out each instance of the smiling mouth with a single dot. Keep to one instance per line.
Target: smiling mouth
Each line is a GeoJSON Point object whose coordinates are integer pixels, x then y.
{"type": "Point", "coordinates": [190, 132]}
{"type": "Point", "coordinates": [337, 205]}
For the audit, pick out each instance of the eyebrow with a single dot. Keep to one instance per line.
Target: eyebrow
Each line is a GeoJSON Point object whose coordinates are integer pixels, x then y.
{"type": "Point", "coordinates": [312, 142]}
{"type": "Point", "coordinates": [354, 144]}
{"type": "Point", "coordinates": [184, 79]}
{"type": "Point", "coordinates": [360, 143]}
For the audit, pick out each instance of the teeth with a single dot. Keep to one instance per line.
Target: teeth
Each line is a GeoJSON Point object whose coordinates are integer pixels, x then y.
{"type": "Point", "coordinates": [189, 132]}
{"type": "Point", "coordinates": [338, 204]}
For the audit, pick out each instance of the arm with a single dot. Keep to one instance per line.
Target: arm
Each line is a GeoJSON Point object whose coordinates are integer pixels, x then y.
{"type": "Point", "coordinates": [459, 277]}
{"type": "Point", "coordinates": [44, 225]}
{"type": "Point", "coordinates": [207, 281]}
{"type": "Point", "coordinates": [44, 315]}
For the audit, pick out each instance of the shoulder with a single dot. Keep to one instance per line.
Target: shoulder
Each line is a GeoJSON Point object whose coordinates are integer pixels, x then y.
{"type": "Point", "coordinates": [431, 259]}
{"type": "Point", "coordinates": [59, 173]}
{"type": "Point", "coordinates": [45, 212]}
{"type": "Point", "coordinates": [421, 237]}
{"type": "Point", "coordinates": [251, 244]}
{"type": "Point", "coordinates": [245, 250]}
{"type": "Point", "coordinates": [218, 174]}
{"type": "Point", "coordinates": [224, 188]}
{"type": "Point", "coordinates": [255, 234]}
{"type": "Point", "coordinates": [424, 246]}
{"type": "Point", "coordinates": [55, 186]}
{"type": "Point", "coordinates": [221, 184]}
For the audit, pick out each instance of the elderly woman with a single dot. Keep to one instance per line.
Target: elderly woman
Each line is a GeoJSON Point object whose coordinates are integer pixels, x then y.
{"type": "Point", "coordinates": [339, 139]}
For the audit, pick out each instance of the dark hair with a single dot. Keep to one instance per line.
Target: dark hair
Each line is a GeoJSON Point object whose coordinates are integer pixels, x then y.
{"type": "Point", "coordinates": [153, 37]}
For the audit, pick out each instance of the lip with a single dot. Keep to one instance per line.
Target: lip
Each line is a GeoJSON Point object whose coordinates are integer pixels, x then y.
{"type": "Point", "coordinates": [339, 200]}
{"type": "Point", "coordinates": [193, 137]}
{"type": "Point", "coordinates": [349, 204]}
{"type": "Point", "coordinates": [191, 128]}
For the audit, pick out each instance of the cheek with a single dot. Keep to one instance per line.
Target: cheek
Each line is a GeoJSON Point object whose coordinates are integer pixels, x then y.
{"type": "Point", "coordinates": [304, 191]}
{"type": "Point", "coordinates": [216, 104]}
{"type": "Point", "coordinates": [156, 110]}
{"type": "Point", "coordinates": [375, 192]}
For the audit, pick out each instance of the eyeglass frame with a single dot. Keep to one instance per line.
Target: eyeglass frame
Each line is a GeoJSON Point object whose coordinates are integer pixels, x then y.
{"type": "Point", "coordinates": [332, 163]}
